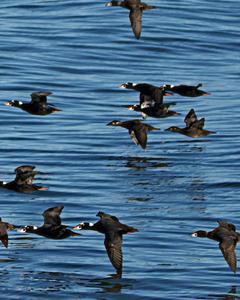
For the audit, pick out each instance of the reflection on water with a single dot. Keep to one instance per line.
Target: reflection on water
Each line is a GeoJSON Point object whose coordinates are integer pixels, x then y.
{"type": "Point", "coordinates": [111, 285]}
{"type": "Point", "coordinates": [196, 190]}
{"type": "Point", "coordinates": [143, 163]}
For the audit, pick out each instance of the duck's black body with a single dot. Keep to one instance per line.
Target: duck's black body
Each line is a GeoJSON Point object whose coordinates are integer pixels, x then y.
{"type": "Point", "coordinates": [186, 90]}
{"type": "Point", "coordinates": [52, 227]}
{"type": "Point", "coordinates": [194, 127]}
{"type": "Point", "coordinates": [137, 130]}
{"type": "Point", "coordinates": [227, 237]}
{"type": "Point", "coordinates": [23, 181]}
{"type": "Point", "coordinates": [37, 106]}
{"type": "Point", "coordinates": [155, 111]}
{"type": "Point", "coordinates": [147, 92]}
{"type": "Point", "coordinates": [136, 8]}
{"type": "Point", "coordinates": [113, 231]}
{"type": "Point", "coordinates": [150, 100]}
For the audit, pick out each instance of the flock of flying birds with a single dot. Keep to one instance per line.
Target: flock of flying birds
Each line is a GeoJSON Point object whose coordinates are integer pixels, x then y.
{"type": "Point", "coordinates": [150, 104]}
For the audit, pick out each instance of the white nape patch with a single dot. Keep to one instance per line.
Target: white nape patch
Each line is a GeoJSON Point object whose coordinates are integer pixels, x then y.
{"type": "Point", "coordinates": [194, 234]}
{"type": "Point", "coordinates": [91, 224]}
{"type": "Point", "coordinates": [172, 86]}
{"type": "Point", "coordinates": [20, 102]}
{"type": "Point", "coordinates": [4, 183]}
{"type": "Point", "coordinates": [35, 227]}
{"type": "Point", "coordinates": [134, 84]}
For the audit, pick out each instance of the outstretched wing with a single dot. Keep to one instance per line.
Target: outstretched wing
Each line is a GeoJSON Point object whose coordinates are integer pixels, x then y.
{"type": "Point", "coordinates": [227, 246]}
{"type": "Point", "coordinates": [139, 135]}
{"type": "Point", "coordinates": [40, 97]}
{"type": "Point", "coordinates": [135, 17]}
{"type": "Point", "coordinates": [113, 245]}
{"type": "Point", "coordinates": [190, 118]}
{"type": "Point", "coordinates": [52, 216]}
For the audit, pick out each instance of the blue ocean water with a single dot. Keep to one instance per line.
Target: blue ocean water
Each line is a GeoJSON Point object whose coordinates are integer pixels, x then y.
{"type": "Point", "coordinates": [81, 51]}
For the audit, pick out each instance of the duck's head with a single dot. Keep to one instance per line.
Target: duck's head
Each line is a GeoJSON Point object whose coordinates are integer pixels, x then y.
{"type": "Point", "coordinates": [26, 229]}
{"type": "Point", "coordinates": [83, 225]}
{"type": "Point", "coordinates": [14, 103]}
{"type": "Point", "coordinates": [134, 107]}
{"type": "Point", "coordinates": [126, 85]}
{"type": "Point", "coordinates": [114, 123]}
{"type": "Point", "coordinates": [200, 234]}
{"type": "Point", "coordinates": [172, 129]}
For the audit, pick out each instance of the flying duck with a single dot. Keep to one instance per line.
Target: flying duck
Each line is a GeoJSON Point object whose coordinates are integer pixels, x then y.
{"type": "Point", "coordinates": [227, 237]}
{"type": "Point", "coordinates": [186, 90]}
{"type": "Point", "coordinates": [194, 127]}
{"type": "Point", "coordinates": [137, 130]}
{"type": "Point", "coordinates": [37, 106]}
{"type": "Point", "coordinates": [136, 8]}
{"type": "Point", "coordinates": [52, 227]}
{"type": "Point", "coordinates": [113, 231]}
{"type": "Point", "coordinates": [23, 181]}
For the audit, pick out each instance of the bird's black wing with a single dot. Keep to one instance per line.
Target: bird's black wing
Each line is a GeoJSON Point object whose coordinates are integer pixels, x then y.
{"type": "Point", "coordinates": [190, 118]}
{"type": "Point", "coordinates": [25, 175]}
{"type": "Point", "coordinates": [40, 97]}
{"type": "Point", "coordinates": [52, 215]}
{"type": "Point", "coordinates": [135, 17]}
{"type": "Point", "coordinates": [3, 234]}
{"type": "Point", "coordinates": [113, 245]}
{"type": "Point", "coordinates": [139, 135]}
{"type": "Point", "coordinates": [227, 246]}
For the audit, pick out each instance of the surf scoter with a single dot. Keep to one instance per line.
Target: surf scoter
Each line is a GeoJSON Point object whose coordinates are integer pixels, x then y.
{"type": "Point", "coordinates": [194, 127]}
{"type": "Point", "coordinates": [37, 106]}
{"type": "Point", "coordinates": [23, 181]}
{"type": "Point", "coordinates": [136, 8]}
{"type": "Point", "coordinates": [227, 237]}
{"type": "Point", "coordinates": [137, 130]}
{"type": "Point", "coordinates": [113, 231]}
{"type": "Point", "coordinates": [52, 227]}
{"type": "Point", "coordinates": [186, 90]}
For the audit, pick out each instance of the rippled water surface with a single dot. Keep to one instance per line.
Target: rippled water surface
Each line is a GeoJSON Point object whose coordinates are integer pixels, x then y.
{"type": "Point", "coordinates": [81, 51]}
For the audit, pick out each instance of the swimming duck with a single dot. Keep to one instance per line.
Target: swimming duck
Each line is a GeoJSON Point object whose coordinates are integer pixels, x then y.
{"type": "Point", "coordinates": [52, 227]}
{"type": "Point", "coordinates": [37, 106]}
{"type": "Point", "coordinates": [186, 90]}
{"type": "Point", "coordinates": [194, 127]}
{"type": "Point", "coordinates": [227, 237]}
{"type": "Point", "coordinates": [23, 181]}
{"type": "Point", "coordinates": [4, 228]}
{"type": "Point", "coordinates": [113, 230]}
{"type": "Point", "coordinates": [136, 8]}
{"type": "Point", "coordinates": [137, 130]}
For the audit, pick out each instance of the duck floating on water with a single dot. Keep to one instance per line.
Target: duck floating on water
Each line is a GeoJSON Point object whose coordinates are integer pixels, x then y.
{"type": "Point", "coordinates": [23, 181]}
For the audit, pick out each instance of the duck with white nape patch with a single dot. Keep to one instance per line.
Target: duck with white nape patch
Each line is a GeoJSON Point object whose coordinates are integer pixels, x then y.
{"type": "Point", "coordinates": [227, 237]}
{"type": "Point", "coordinates": [113, 231]}
{"type": "Point", "coordinates": [52, 227]}
{"type": "Point", "coordinates": [37, 106]}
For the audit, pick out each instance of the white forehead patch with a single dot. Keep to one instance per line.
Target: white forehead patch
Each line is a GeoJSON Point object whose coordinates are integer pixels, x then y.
{"type": "Point", "coordinates": [134, 84]}
{"type": "Point", "coordinates": [35, 227]}
{"type": "Point", "coordinates": [4, 183]}
{"type": "Point", "coordinates": [91, 224]}
{"type": "Point", "coordinates": [20, 102]}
